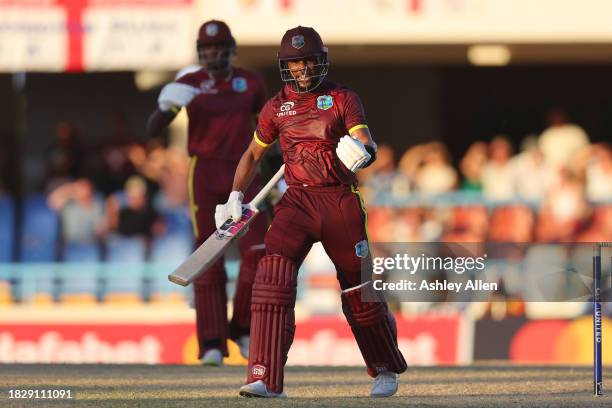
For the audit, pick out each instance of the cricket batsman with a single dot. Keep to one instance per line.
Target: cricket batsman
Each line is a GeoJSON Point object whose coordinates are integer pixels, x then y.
{"type": "Point", "coordinates": [221, 102]}
{"type": "Point", "coordinates": [325, 140]}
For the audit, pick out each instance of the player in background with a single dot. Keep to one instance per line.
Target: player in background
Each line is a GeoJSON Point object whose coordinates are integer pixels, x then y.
{"type": "Point", "coordinates": [221, 101]}
{"type": "Point", "coordinates": [324, 139]}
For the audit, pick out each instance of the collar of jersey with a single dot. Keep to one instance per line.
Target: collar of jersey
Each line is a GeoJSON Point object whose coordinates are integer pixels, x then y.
{"type": "Point", "coordinates": [322, 89]}
{"type": "Point", "coordinates": [226, 79]}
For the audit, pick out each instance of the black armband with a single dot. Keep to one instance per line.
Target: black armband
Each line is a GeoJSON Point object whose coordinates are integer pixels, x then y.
{"type": "Point", "coordinates": [372, 152]}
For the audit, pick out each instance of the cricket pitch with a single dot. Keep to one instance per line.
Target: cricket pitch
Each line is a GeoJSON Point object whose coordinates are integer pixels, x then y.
{"type": "Point", "coordinates": [483, 385]}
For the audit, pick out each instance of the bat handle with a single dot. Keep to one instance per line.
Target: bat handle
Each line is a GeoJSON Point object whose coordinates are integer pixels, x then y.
{"type": "Point", "coordinates": [266, 189]}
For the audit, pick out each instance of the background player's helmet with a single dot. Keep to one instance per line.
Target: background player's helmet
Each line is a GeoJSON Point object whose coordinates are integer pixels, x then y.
{"type": "Point", "coordinates": [215, 46]}
{"type": "Point", "coordinates": [302, 43]}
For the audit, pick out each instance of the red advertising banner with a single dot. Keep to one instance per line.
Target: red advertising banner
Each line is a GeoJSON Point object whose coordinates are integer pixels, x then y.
{"type": "Point", "coordinates": [94, 343]}
{"type": "Point", "coordinates": [319, 341]}
{"type": "Point", "coordinates": [424, 340]}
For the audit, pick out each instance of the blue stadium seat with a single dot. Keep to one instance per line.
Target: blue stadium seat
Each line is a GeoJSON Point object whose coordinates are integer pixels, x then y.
{"type": "Point", "coordinates": [167, 252]}
{"type": "Point", "coordinates": [125, 249]}
{"type": "Point", "coordinates": [123, 271]}
{"type": "Point", "coordinates": [79, 272]}
{"type": "Point", "coordinates": [7, 228]}
{"type": "Point", "coordinates": [178, 221]}
{"type": "Point", "coordinates": [176, 218]}
{"type": "Point", "coordinates": [81, 252]}
{"type": "Point", "coordinates": [40, 231]}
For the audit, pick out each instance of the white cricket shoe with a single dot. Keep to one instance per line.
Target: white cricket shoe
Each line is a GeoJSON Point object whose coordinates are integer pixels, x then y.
{"type": "Point", "coordinates": [258, 389]}
{"type": "Point", "coordinates": [385, 384]}
{"type": "Point", "coordinates": [243, 345]}
{"type": "Point", "coordinates": [212, 358]}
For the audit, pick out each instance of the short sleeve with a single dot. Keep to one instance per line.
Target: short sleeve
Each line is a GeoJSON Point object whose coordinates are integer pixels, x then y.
{"type": "Point", "coordinates": [188, 79]}
{"type": "Point", "coordinates": [267, 131]}
{"type": "Point", "coordinates": [353, 113]}
{"type": "Point", "coordinates": [261, 95]}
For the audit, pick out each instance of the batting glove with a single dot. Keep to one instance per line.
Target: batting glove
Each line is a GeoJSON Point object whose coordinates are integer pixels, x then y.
{"type": "Point", "coordinates": [352, 153]}
{"type": "Point", "coordinates": [176, 95]}
{"type": "Point", "coordinates": [232, 209]}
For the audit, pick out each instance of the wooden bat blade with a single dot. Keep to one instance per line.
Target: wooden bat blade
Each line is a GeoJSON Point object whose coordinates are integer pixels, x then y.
{"type": "Point", "coordinates": [215, 245]}
{"type": "Point", "coordinates": [211, 250]}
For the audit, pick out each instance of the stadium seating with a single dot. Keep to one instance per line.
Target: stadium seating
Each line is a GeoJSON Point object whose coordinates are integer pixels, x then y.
{"type": "Point", "coordinates": [167, 252]}
{"type": "Point", "coordinates": [80, 273]}
{"type": "Point", "coordinates": [35, 277]}
{"type": "Point", "coordinates": [7, 228]}
{"type": "Point", "coordinates": [39, 231]}
{"type": "Point", "coordinates": [123, 270]}
{"type": "Point", "coordinates": [176, 219]}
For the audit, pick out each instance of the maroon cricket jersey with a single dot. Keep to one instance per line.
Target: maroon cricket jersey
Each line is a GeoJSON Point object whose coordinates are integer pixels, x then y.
{"type": "Point", "coordinates": [309, 126]}
{"type": "Point", "coordinates": [220, 124]}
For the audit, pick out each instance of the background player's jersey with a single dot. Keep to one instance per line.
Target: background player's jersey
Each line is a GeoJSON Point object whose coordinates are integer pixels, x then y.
{"type": "Point", "coordinates": [309, 126]}
{"type": "Point", "coordinates": [220, 117]}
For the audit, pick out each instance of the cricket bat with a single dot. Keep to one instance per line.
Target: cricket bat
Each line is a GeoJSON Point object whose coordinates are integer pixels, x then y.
{"type": "Point", "coordinates": [216, 245]}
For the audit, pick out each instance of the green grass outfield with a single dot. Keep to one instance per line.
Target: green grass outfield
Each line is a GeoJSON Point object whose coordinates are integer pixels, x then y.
{"type": "Point", "coordinates": [485, 385]}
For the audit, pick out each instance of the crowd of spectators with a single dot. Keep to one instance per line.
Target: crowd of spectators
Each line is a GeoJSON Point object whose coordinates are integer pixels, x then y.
{"type": "Point", "coordinates": [122, 187]}
{"type": "Point", "coordinates": [557, 188]}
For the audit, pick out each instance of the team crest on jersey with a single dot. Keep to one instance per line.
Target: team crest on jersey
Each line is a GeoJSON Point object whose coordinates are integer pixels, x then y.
{"type": "Point", "coordinates": [325, 102]}
{"type": "Point", "coordinates": [239, 84]}
{"type": "Point", "coordinates": [297, 41]}
{"type": "Point", "coordinates": [361, 249]}
{"type": "Point", "coordinates": [212, 30]}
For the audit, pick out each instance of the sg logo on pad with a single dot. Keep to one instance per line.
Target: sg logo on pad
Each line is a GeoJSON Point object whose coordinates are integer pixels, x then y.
{"type": "Point", "coordinates": [258, 371]}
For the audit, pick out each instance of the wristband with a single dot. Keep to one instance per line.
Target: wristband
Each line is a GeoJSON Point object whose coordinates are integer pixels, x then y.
{"type": "Point", "coordinates": [372, 151]}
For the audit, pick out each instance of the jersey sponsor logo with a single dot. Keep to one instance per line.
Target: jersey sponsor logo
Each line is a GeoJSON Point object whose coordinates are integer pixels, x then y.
{"type": "Point", "coordinates": [324, 102]}
{"type": "Point", "coordinates": [212, 30]}
{"type": "Point", "coordinates": [286, 109]}
{"type": "Point", "coordinates": [258, 371]}
{"type": "Point", "coordinates": [361, 249]}
{"type": "Point", "coordinates": [208, 87]}
{"type": "Point", "coordinates": [297, 41]}
{"type": "Point", "coordinates": [239, 84]}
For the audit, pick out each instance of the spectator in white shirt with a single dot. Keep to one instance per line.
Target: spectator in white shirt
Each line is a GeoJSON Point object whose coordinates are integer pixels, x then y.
{"type": "Point", "coordinates": [562, 139]}
{"type": "Point", "coordinates": [498, 175]}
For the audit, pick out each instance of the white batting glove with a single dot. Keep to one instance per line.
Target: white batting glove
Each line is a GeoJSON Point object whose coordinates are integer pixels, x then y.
{"type": "Point", "coordinates": [175, 94]}
{"type": "Point", "coordinates": [352, 153]}
{"type": "Point", "coordinates": [232, 209]}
